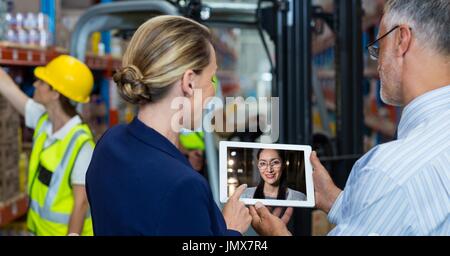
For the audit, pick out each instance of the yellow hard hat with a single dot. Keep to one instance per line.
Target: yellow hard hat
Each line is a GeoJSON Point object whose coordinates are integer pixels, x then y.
{"type": "Point", "coordinates": [68, 76]}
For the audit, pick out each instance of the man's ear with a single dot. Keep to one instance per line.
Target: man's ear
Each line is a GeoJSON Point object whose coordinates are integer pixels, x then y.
{"type": "Point", "coordinates": [187, 82]}
{"type": "Point", "coordinates": [404, 40]}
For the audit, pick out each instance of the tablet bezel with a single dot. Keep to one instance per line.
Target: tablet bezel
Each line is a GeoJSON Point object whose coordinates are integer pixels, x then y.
{"type": "Point", "coordinates": [223, 171]}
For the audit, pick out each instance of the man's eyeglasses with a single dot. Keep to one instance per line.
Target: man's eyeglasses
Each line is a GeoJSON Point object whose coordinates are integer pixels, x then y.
{"type": "Point", "coordinates": [374, 51]}
{"type": "Point", "coordinates": [262, 165]}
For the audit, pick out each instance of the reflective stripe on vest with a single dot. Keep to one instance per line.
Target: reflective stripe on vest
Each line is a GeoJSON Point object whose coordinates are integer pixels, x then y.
{"type": "Point", "coordinates": [49, 215]}
{"type": "Point", "coordinates": [60, 218]}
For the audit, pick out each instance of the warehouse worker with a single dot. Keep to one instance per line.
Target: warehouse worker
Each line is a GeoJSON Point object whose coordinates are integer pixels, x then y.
{"type": "Point", "coordinates": [139, 182]}
{"type": "Point", "coordinates": [62, 146]}
{"type": "Point", "coordinates": [400, 188]}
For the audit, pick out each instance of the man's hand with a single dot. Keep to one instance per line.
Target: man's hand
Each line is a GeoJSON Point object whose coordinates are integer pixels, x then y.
{"type": "Point", "coordinates": [235, 213]}
{"type": "Point", "coordinates": [326, 192]}
{"type": "Point", "coordinates": [268, 224]}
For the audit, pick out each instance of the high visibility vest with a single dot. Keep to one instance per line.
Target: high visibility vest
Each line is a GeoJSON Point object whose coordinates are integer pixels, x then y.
{"type": "Point", "coordinates": [49, 181]}
{"type": "Point", "coordinates": [192, 140]}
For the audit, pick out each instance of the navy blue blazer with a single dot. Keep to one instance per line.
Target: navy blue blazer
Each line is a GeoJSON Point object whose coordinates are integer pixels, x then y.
{"type": "Point", "coordinates": [139, 183]}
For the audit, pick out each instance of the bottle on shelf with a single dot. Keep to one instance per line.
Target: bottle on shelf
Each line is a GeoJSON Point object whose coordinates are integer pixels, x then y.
{"type": "Point", "coordinates": [30, 25]}
{"type": "Point", "coordinates": [116, 47]}
{"type": "Point", "coordinates": [11, 34]}
{"type": "Point", "coordinates": [22, 35]}
{"type": "Point", "coordinates": [3, 21]}
{"type": "Point", "coordinates": [45, 38]}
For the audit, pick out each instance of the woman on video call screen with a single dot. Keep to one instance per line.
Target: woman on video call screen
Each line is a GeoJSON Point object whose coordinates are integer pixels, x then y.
{"type": "Point", "coordinates": [273, 184]}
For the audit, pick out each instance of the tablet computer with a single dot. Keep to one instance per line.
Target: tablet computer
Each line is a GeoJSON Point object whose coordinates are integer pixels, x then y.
{"type": "Point", "coordinates": [275, 174]}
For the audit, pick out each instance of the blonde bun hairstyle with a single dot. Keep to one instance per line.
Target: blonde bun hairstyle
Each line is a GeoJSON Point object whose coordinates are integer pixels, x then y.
{"type": "Point", "coordinates": [158, 55]}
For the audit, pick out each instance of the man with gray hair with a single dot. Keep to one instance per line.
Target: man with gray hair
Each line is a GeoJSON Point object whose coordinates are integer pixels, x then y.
{"type": "Point", "coordinates": [402, 187]}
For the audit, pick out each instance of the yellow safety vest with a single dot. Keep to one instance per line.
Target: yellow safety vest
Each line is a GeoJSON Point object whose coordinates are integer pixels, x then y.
{"type": "Point", "coordinates": [49, 186]}
{"type": "Point", "coordinates": [192, 140]}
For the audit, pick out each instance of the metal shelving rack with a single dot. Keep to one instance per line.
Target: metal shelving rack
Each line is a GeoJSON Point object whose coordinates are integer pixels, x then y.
{"type": "Point", "coordinates": [18, 55]}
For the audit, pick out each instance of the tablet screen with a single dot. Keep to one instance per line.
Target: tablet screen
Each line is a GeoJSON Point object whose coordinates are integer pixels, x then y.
{"type": "Point", "coordinates": [276, 175]}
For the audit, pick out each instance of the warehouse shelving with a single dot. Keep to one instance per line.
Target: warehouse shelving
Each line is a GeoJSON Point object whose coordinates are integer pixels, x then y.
{"type": "Point", "coordinates": [22, 55]}
{"type": "Point", "coordinates": [12, 54]}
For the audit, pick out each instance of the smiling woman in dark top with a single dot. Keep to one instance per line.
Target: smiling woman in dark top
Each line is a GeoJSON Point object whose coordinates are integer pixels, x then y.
{"type": "Point", "coordinates": [273, 184]}
{"type": "Point", "coordinates": [138, 182]}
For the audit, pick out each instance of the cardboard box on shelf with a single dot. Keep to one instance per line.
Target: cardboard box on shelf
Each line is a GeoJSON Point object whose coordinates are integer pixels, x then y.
{"type": "Point", "coordinates": [24, 6]}
{"type": "Point", "coordinates": [9, 151]}
{"type": "Point", "coordinates": [9, 184]}
{"type": "Point", "coordinates": [9, 123]}
{"type": "Point", "coordinates": [5, 107]}
{"type": "Point", "coordinates": [9, 134]}
{"type": "Point", "coordinates": [9, 156]}
{"type": "Point", "coordinates": [9, 173]}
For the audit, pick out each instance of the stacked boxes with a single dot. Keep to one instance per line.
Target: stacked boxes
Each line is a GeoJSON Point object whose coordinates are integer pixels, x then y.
{"type": "Point", "coordinates": [9, 150]}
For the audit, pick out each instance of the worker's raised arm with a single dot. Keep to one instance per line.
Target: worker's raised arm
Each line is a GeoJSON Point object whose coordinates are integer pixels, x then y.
{"type": "Point", "coordinates": [10, 91]}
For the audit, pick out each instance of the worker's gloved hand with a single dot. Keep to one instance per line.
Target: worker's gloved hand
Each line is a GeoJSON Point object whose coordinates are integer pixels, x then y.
{"type": "Point", "coordinates": [266, 223]}
{"type": "Point", "coordinates": [326, 192]}
{"type": "Point", "coordinates": [235, 213]}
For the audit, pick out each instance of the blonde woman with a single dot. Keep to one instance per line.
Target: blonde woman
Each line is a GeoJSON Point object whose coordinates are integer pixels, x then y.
{"type": "Point", "coordinates": [139, 183]}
